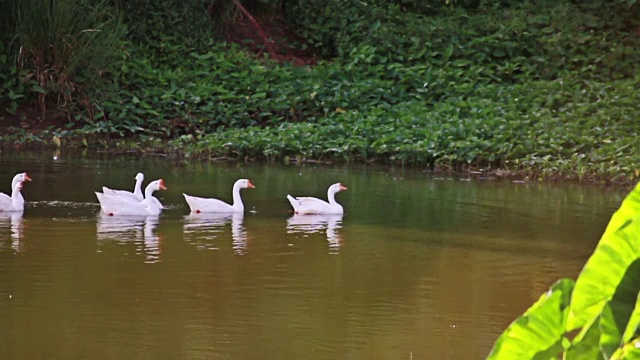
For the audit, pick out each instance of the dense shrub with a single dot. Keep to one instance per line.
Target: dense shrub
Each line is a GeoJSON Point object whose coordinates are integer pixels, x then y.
{"type": "Point", "coordinates": [555, 127]}
{"type": "Point", "coordinates": [539, 39]}
{"type": "Point", "coordinates": [154, 22]}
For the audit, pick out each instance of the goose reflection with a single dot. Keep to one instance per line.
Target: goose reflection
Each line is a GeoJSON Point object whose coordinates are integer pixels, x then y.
{"type": "Point", "coordinates": [309, 224]}
{"type": "Point", "coordinates": [202, 229]}
{"type": "Point", "coordinates": [140, 230]}
{"type": "Point", "coordinates": [14, 222]}
{"type": "Point", "coordinates": [151, 240]}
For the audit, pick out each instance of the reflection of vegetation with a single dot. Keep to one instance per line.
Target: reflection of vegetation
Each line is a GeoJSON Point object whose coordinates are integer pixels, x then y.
{"type": "Point", "coordinates": [547, 85]}
{"type": "Point", "coordinates": [602, 305]}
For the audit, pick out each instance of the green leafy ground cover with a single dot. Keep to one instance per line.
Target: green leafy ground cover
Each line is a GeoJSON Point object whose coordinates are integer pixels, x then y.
{"type": "Point", "coordinates": [540, 89]}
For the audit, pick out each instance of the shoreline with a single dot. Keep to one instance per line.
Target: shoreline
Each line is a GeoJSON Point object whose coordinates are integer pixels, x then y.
{"type": "Point", "coordinates": [167, 148]}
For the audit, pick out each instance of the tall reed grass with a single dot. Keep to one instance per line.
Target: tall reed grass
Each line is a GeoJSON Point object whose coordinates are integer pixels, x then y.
{"type": "Point", "coordinates": [66, 46]}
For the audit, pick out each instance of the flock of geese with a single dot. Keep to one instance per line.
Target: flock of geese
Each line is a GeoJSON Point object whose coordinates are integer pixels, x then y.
{"type": "Point", "coordinates": [123, 202]}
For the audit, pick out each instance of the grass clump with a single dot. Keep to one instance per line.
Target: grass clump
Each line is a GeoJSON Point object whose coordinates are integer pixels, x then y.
{"type": "Point", "coordinates": [57, 52]}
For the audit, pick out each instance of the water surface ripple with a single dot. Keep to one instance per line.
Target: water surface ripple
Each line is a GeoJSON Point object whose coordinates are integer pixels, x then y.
{"type": "Point", "coordinates": [418, 266]}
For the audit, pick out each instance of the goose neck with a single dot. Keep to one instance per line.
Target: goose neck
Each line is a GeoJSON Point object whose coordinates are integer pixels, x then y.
{"type": "Point", "coordinates": [16, 197]}
{"type": "Point", "coordinates": [137, 191]}
{"type": "Point", "coordinates": [331, 196]}
{"type": "Point", "coordinates": [237, 199]}
{"type": "Point", "coordinates": [15, 181]}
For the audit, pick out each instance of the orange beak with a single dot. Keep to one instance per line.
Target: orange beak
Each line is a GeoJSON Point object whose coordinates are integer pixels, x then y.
{"type": "Point", "coordinates": [342, 187]}
{"type": "Point", "coordinates": [26, 177]}
{"type": "Point", "coordinates": [162, 187]}
{"type": "Point", "coordinates": [250, 185]}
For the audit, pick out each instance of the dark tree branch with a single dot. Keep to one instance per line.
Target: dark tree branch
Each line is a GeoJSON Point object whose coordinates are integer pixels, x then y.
{"type": "Point", "coordinates": [267, 42]}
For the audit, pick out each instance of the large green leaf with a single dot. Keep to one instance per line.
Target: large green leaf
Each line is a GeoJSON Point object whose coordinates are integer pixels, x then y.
{"type": "Point", "coordinates": [634, 323]}
{"type": "Point", "coordinates": [612, 273]}
{"type": "Point", "coordinates": [630, 351]}
{"type": "Point", "coordinates": [586, 344]}
{"type": "Point", "coordinates": [613, 321]}
{"type": "Point", "coordinates": [603, 337]}
{"type": "Point", "coordinates": [537, 334]}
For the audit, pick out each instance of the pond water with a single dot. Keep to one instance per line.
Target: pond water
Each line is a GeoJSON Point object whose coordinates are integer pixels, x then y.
{"type": "Point", "coordinates": [418, 267]}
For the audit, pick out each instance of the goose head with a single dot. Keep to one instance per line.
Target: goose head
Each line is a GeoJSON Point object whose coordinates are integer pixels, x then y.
{"type": "Point", "coordinates": [331, 193]}
{"type": "Point", "coordinates": [156, 185]}
{"type": "Point", "coordinates": [336, 188]}
{"type": "Point", "coordinates": [20, 178]}
{"type": "Point", "coordinates": [244, 183]}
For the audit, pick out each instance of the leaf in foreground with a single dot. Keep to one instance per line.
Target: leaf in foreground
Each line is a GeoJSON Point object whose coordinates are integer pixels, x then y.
{"type": "Point", "coordinates": [537, 334]}
{"type": "Point", "coordinates": [612, 272]}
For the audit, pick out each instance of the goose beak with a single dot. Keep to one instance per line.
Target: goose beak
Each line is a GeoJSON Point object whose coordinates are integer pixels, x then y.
{"type": "Point", "coordinates": [162, 187]}
{"type": "Point", "coordinates": [26, 177]}
{"type": "Point", "coordinates": [342, 187]}
{"type": "Point", "coordinates": [250, 185]}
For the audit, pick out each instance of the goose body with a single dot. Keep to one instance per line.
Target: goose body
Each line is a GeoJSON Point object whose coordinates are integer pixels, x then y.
{"type": "Point", "coordinates": [211, 205]}
{"type": "Point", "coordinates": [136, 194]}
{"type": "Point", "coordinates": [120, 205]}
{"type": "Point", "coordinates": [15, 202]}
{"type": "Point", "coordinates": [312, 205]}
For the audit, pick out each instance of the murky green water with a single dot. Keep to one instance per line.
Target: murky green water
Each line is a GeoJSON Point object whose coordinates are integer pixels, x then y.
{"type": "Point", "coordinates": [418, 267]}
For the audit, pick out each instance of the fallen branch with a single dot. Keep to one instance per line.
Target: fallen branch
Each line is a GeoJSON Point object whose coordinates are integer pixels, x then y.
{"type": "Point", "coordinates": [267, 42]}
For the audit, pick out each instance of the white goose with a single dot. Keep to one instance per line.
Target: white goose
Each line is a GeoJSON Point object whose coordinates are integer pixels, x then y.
{"type": "Point", "coordinates": [15, 202]}
{"type": "Point", "coordinates": [135, 195]}
{"type": "Point", "coordinates": [119, 205]}
{"type": "Point", "coordinates": [311, 205]}
{"type": "Point", "coordinates": [210, 205]}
